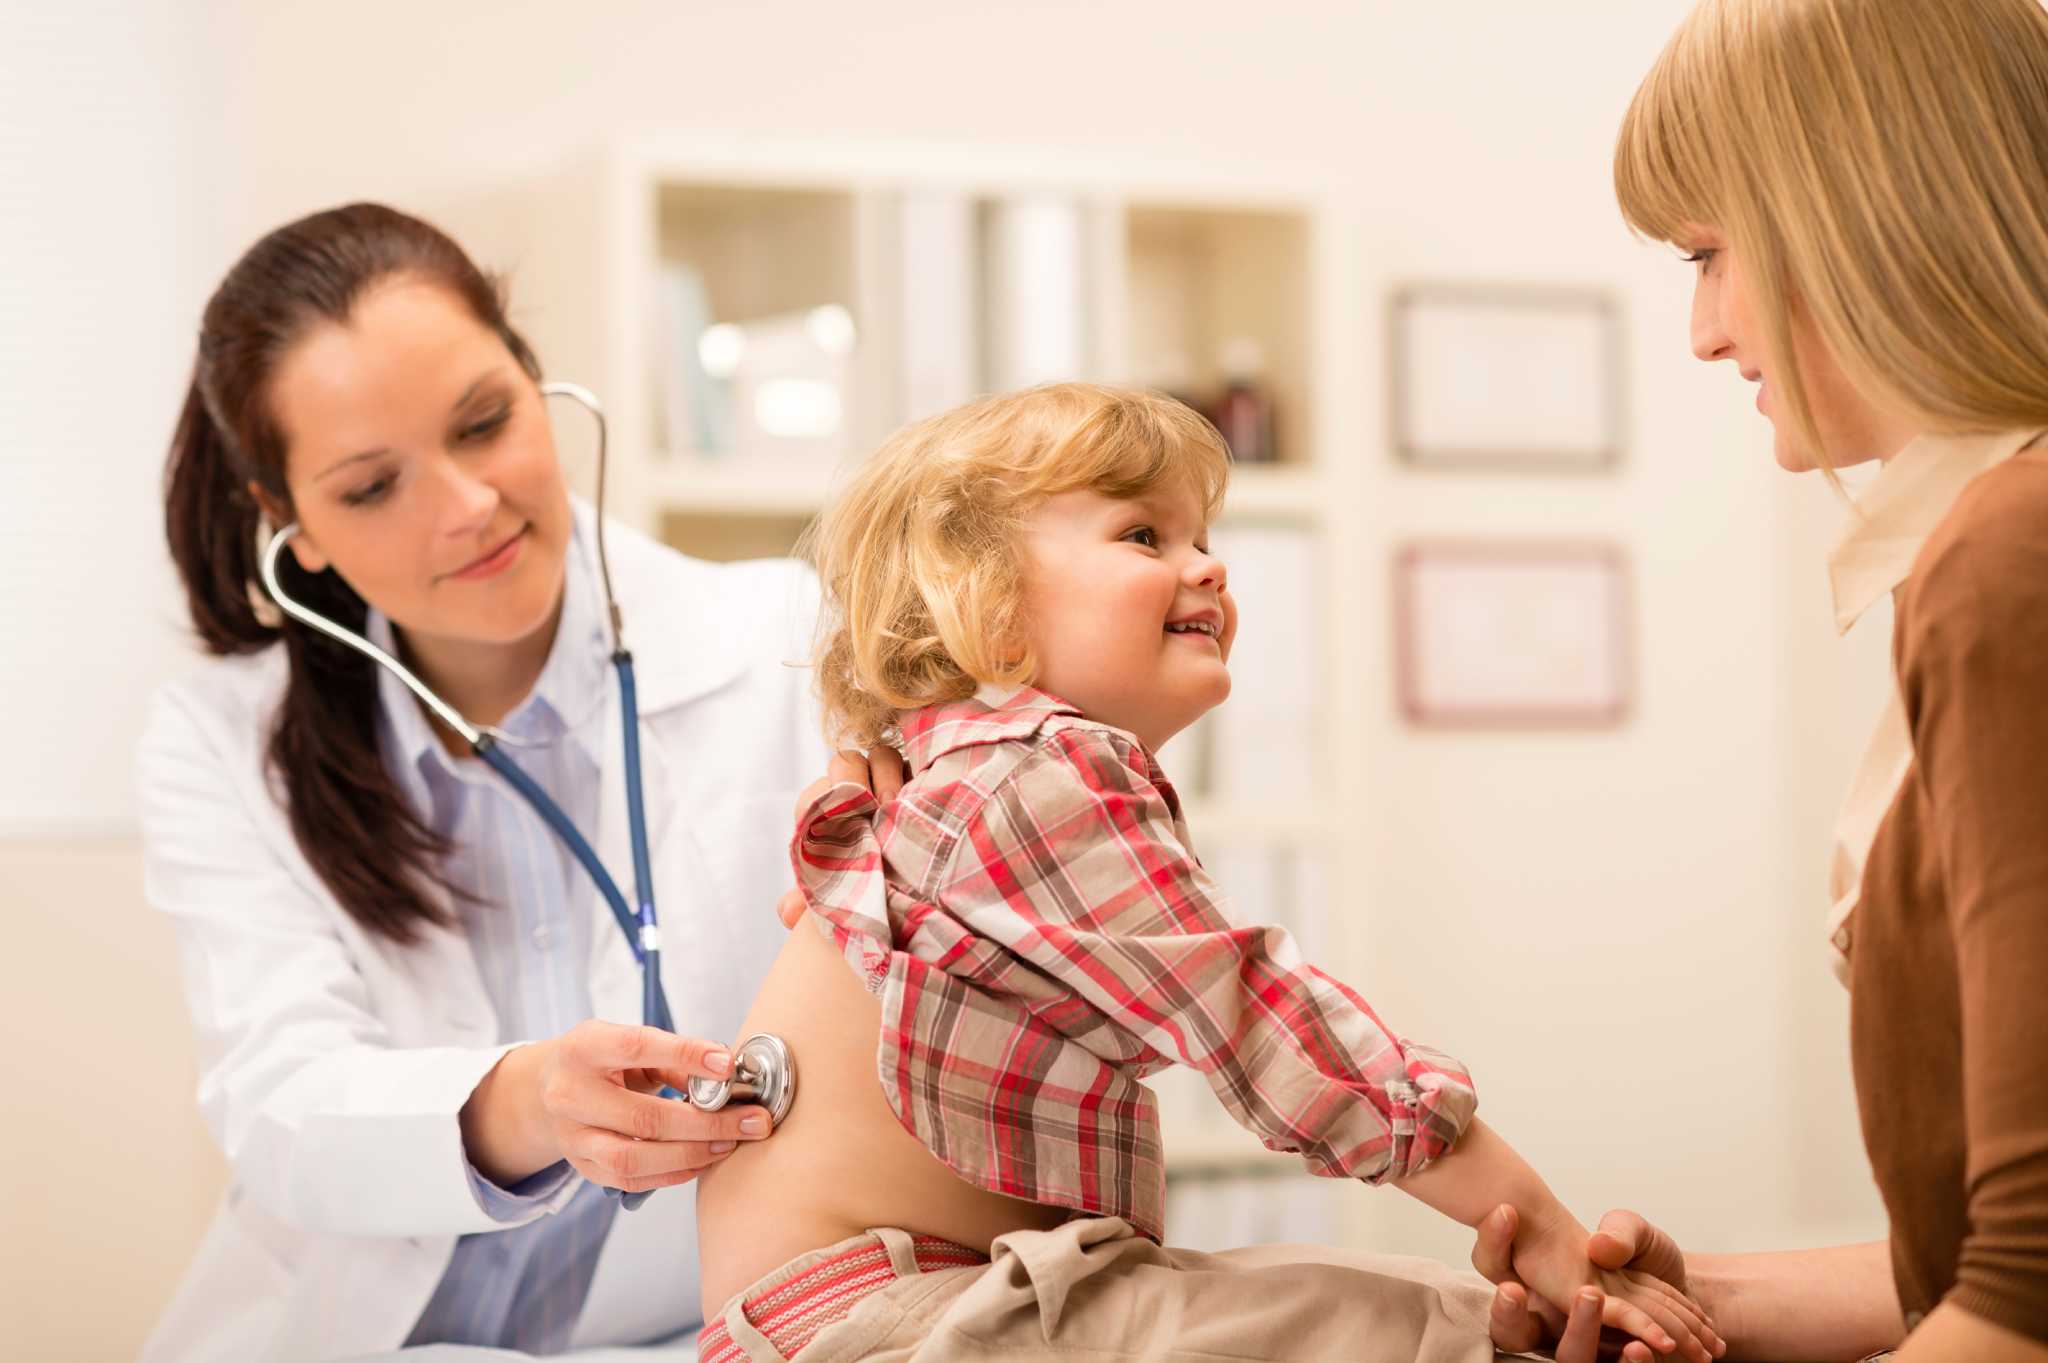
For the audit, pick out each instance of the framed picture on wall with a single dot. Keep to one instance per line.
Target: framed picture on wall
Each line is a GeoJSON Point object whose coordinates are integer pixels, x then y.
{"type": "Point", "coordinates": [1513, 634]}
{"type": "Point", "coordinates": [1505, 379]}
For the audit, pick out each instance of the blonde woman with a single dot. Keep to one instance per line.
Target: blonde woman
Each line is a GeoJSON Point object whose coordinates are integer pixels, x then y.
{"type": "Point", "coordinates": [1862, 188]}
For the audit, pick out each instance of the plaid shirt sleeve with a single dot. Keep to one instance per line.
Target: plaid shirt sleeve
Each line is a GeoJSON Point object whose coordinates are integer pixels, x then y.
{"type": "Point", "coordinates": [1073, 867]}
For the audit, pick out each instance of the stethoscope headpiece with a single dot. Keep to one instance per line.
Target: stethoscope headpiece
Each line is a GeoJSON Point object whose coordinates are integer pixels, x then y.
{"type": "Point", "coordinates": [763, 1071]}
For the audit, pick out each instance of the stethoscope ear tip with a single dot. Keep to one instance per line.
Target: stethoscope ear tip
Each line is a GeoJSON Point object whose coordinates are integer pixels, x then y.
{"type": "Point", "coordinates": [278, 539]}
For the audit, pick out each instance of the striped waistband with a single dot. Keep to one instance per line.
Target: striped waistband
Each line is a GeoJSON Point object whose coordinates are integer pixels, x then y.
{"type": "Point", "coordinates": [790, 1306]}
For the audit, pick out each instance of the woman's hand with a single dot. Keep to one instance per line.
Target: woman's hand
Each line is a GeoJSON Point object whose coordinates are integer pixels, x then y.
{"type": "Point", "coordinates": [1521, 1322]}
{"type": "Point", "coordinates": [881, 772]}
{"type": "Point", "coordinates": [1516, 1329]}
{"type": "Point", "coordinates": [590, 1096]}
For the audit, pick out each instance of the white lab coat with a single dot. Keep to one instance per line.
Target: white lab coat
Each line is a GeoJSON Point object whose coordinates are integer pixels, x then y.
{"type": "Point", "coordinates": [333, 1064]}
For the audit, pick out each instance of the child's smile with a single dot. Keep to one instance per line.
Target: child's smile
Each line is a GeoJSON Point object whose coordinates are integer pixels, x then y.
{"type": "Point", "coordinates": [1204, 626]}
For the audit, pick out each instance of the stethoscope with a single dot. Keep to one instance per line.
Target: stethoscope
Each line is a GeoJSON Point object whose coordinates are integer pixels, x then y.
{"type": "Point", "coordinates": [764, 1072]}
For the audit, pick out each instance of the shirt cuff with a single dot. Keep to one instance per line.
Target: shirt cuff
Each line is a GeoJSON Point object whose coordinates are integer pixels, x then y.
{"type": "Point", "coordinates": [520, 1201]}
{"type": "Point", "coordinates": [1433, 1105]}
{"type": "Point", "coordinates": [842, 800]}
{"type": "Point", "coordinates": [837, 858]}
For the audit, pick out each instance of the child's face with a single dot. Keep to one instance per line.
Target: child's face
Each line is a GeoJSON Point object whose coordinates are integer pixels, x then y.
{"type": "Point", "coordinates": [1126, 611]}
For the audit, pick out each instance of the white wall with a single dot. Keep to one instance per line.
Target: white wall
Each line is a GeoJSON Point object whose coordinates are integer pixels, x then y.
{"type": "Point", "coordinates": [105, 205]}
{"type": "Point", "coordinates": [109, 195]}
{"type": "Point", "coordinates": [1619, 932]}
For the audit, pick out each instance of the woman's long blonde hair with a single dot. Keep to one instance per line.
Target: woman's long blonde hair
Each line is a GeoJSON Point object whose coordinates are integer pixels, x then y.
{"type": "Point", "coordinates": [920, 556]}
{"type": "Point", "coordinates": [1881, 166]}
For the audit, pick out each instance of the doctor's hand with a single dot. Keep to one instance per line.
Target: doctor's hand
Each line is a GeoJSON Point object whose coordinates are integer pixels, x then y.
{"type": "Point", "coordinates": [590, 1096]}
{"type": "Point", "coordinates": [881, 772]}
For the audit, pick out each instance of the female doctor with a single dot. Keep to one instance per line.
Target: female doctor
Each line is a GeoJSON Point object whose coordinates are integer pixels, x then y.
{"type": "Point", "coordinates": [416, 1020]}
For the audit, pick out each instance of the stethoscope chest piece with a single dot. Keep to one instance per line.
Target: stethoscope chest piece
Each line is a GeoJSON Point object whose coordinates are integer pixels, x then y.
{"type": "Point", "coordinates": [763, 1071]}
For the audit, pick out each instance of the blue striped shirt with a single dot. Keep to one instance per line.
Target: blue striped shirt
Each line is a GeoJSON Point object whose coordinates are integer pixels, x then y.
{"type": "Point", "coordinates": [529, 924]}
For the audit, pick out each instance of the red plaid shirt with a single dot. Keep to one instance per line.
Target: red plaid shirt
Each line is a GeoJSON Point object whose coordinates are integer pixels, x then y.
{"type": "Point", "coordinates": [1041, 939]}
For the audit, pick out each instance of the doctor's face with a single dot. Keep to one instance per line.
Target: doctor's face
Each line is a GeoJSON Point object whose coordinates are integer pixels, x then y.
{"type": "Point", "coordinates": [422, 467]}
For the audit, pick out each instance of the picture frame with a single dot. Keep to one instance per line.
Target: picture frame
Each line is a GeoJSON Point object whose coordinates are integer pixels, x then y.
{"type": "Point", "coordinates": [1513, 634]}
{"type": "Point", "coordinates": [1506, 379]}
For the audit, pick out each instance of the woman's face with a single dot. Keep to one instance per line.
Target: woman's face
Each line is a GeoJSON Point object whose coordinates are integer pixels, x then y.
{"type": "Point", "coordinates": [1853, 429]}
{"type": "Point", "coordinates": [421, 463]}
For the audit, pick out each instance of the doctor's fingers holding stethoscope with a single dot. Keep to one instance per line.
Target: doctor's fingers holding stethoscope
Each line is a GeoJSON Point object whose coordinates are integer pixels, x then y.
{"type": "Point", "coordinates": [598, 1104]}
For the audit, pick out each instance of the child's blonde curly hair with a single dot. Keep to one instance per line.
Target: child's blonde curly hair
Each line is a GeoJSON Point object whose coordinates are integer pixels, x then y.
{"type": "Point", "coordinates": [919, 556]}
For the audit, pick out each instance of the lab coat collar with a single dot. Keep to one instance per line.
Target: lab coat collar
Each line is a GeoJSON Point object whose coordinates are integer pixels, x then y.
{"type": "Point", "coordinates": [676, 618]}
{"type": "Point", "coordinates": [1902, 508]}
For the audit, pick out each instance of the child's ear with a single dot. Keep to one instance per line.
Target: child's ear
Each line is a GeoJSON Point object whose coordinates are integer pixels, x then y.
{"type": "Point", "coordinates": [1012, 647]}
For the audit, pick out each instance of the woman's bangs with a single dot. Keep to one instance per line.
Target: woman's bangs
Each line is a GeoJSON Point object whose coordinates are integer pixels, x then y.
{"type": "Point", "coordinates": [1665, 175]}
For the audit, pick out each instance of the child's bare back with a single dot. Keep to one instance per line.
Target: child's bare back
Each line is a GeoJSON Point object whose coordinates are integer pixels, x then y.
{"type": "Point", "coordinates": [840, 1162]}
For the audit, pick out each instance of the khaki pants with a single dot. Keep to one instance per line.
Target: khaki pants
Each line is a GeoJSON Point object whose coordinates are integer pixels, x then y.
{"type": "Point", "coordinates": [1092, 1289]}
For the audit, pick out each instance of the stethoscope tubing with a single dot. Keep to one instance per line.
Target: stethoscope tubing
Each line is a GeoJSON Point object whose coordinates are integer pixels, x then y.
{"type": "Point", "coordinates": [633, 926]}
{"type": "Point", "coordinates": [266, 566]}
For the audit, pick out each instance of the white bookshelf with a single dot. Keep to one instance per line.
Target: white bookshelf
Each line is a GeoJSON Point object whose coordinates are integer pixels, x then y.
{"type": "Point", "coordinates": [1179, 259]}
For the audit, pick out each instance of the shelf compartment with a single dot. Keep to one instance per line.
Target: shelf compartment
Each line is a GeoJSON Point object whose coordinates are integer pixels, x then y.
{"type": "Point", "coordinates": [758, 252]}
{"type": "Point", "coordinates": [762, 251]}
{"type": "Point", "coordinates": [1198, 280]}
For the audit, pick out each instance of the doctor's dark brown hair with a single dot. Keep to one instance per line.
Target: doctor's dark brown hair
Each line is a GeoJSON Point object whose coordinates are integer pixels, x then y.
{"type": "Point", "coordinates": [347, 812]}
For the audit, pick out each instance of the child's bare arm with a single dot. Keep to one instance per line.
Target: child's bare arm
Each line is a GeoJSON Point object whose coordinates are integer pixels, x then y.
{"type": "Point", "coordinates": [1462, 1184]}
{"type": "Point", "coordinates": [1482, 1171]}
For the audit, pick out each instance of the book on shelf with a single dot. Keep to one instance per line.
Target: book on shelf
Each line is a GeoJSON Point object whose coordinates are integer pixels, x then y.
{"type": "Point", "coordinates": [940, 338]}
{"type": "Point", "coordinates": [696, 408]}
{"type": "Point", "coordinates": [1036, 292]}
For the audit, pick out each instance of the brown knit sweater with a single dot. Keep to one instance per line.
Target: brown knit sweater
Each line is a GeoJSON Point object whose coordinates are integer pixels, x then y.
{"type": "Point", "coordinates": [1949, 1020]}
